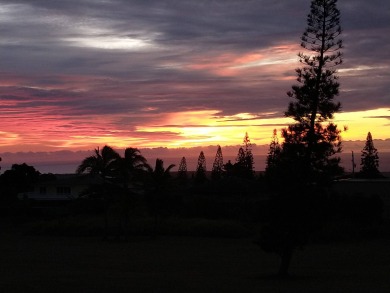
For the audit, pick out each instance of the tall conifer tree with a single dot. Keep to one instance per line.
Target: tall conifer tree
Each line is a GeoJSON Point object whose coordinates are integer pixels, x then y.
{"type": "Point", "coordinates": [200, 173]}
{"type": "Point", "coordinates": [182, 172]}
{"type": "Point", "coordinates": [216, 172]}
{"type": "Point", "coordinates": [247, 146]}
{"type": "Point", "coordinates": [307, 157]}
{"type": "Point", "coordinates": [273, 156]}
{"type": "Point", "coordinates": [314, 139]}
{"type": "Point", "coordinates": [370, 159]}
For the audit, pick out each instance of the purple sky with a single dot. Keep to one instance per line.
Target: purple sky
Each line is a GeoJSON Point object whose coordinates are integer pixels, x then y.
{"type": "Point", "coordinates": [77, 74]}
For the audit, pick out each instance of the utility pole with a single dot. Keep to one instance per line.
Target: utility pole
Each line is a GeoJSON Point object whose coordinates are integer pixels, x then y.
{"type": "Point", "coordinates": [353, 165]}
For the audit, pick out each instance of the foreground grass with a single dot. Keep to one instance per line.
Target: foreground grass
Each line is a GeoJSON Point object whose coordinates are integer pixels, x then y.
{"type": "Point", "coordinates": [144, 226]}
{"type": "Point", "coordinates": [185, 264]}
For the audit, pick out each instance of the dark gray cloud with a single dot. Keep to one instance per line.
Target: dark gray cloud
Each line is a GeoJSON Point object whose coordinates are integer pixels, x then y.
{"type": "Point", "coordinates": [125, 58]}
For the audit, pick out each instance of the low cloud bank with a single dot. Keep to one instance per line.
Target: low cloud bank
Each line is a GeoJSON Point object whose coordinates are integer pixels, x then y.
{"type": "Point", "coordinates": [67, 161]}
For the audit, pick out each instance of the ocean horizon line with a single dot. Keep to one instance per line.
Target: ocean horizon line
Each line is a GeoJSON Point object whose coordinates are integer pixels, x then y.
{"type": "Point", "coordinates": [57, 166]}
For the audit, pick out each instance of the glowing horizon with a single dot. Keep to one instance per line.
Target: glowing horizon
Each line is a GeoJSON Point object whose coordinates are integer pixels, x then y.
{"type": "Point", "coordinates": [184, 129]}
{"type": "Point", "coordinates": [179, 74]}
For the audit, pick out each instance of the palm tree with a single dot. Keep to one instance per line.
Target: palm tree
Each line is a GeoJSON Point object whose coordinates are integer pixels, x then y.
{"type": "Point", "coordinates": [116, 172]}
{"type": "Point", "coordinates": [160, 174]}
{"type": "Point", "coordinates": [158, 196]}
{"type": "Point", "coordinates": [108, 164]}
{"type": "Point", "coordinates": [132, 166]}
{"type": "Point", "coordinates": [102, 163]}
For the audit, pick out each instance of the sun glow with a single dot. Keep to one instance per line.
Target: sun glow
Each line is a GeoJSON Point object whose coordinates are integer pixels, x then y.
{"type": "Point", "coordinates": [186, 129]}
{"type": "Point", "coordinates": [200, 128]}
{"type": "Point", "coordinates": [361, 122]}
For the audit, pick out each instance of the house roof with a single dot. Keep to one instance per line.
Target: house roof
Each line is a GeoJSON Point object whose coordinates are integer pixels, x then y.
{"type": "Point", "coordinates": [69, 180]}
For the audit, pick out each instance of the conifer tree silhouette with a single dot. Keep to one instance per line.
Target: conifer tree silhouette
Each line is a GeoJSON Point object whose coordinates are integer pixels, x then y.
{"type": "Point", "coordinates": [182, 172]}
{"type": "Point", "coordinates": [369, 159]}
{"type": "Point", "coordinates": [314, 139]}
{"type": "Point", "coordinates": [273, 158]}
{"type": "Point", "coordinates": [307, 160]}
{"type": "Point", "coordinates": [200, 173]}
{"type": "Point", "coordinates": [216, 172]}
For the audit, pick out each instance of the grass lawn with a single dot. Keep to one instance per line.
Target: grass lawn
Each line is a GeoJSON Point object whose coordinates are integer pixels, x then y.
{"type": "Point", "coordinates": [185, 264]}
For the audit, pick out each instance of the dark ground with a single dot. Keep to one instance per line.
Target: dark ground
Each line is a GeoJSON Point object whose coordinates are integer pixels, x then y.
{"type": "Point", "coordinates": [185, 264]}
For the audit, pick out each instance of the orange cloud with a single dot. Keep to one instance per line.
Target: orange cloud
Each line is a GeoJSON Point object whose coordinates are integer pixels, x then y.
{"type": "Point", "coordinates": [230, 64]}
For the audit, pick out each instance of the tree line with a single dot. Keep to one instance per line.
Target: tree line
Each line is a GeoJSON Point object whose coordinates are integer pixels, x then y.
{"type": "Point", "coordinates": [299, 171]}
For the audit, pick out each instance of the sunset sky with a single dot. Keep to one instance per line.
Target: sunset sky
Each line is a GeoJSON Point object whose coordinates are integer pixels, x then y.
{"type": "Point", "coordinates": [78, 74]}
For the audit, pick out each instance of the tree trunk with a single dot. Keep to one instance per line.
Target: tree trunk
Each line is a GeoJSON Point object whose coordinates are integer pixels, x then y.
{"type": "Point", "coordinates": [285, 262]}
{"type": "Point", "coordinates": [106, 232]}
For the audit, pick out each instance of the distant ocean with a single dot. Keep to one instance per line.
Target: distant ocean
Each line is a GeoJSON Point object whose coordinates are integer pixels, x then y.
{"type": "Point", "coordinates": [57, 167]}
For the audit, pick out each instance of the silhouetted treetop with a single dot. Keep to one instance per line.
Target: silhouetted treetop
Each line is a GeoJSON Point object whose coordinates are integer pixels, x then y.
{"type": "Point", "coordinates": [313, 97]}
{"type": "Point", "coordinates": [103, 162]}
{"type": "Point", "coordinates": [369, 159]}
{"type": "Point", "coordinates": [200, 173]}
{"type": "Point", "coordinates": [304, 166]}
{"type": "Point", "coordinates": [182, 172]}
{"type": "Point", "coordinates": [216, 172]}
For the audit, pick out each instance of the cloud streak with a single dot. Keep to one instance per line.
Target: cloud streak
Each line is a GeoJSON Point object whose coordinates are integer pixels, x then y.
{"type": "Point", "coordinates": [75, 74]}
